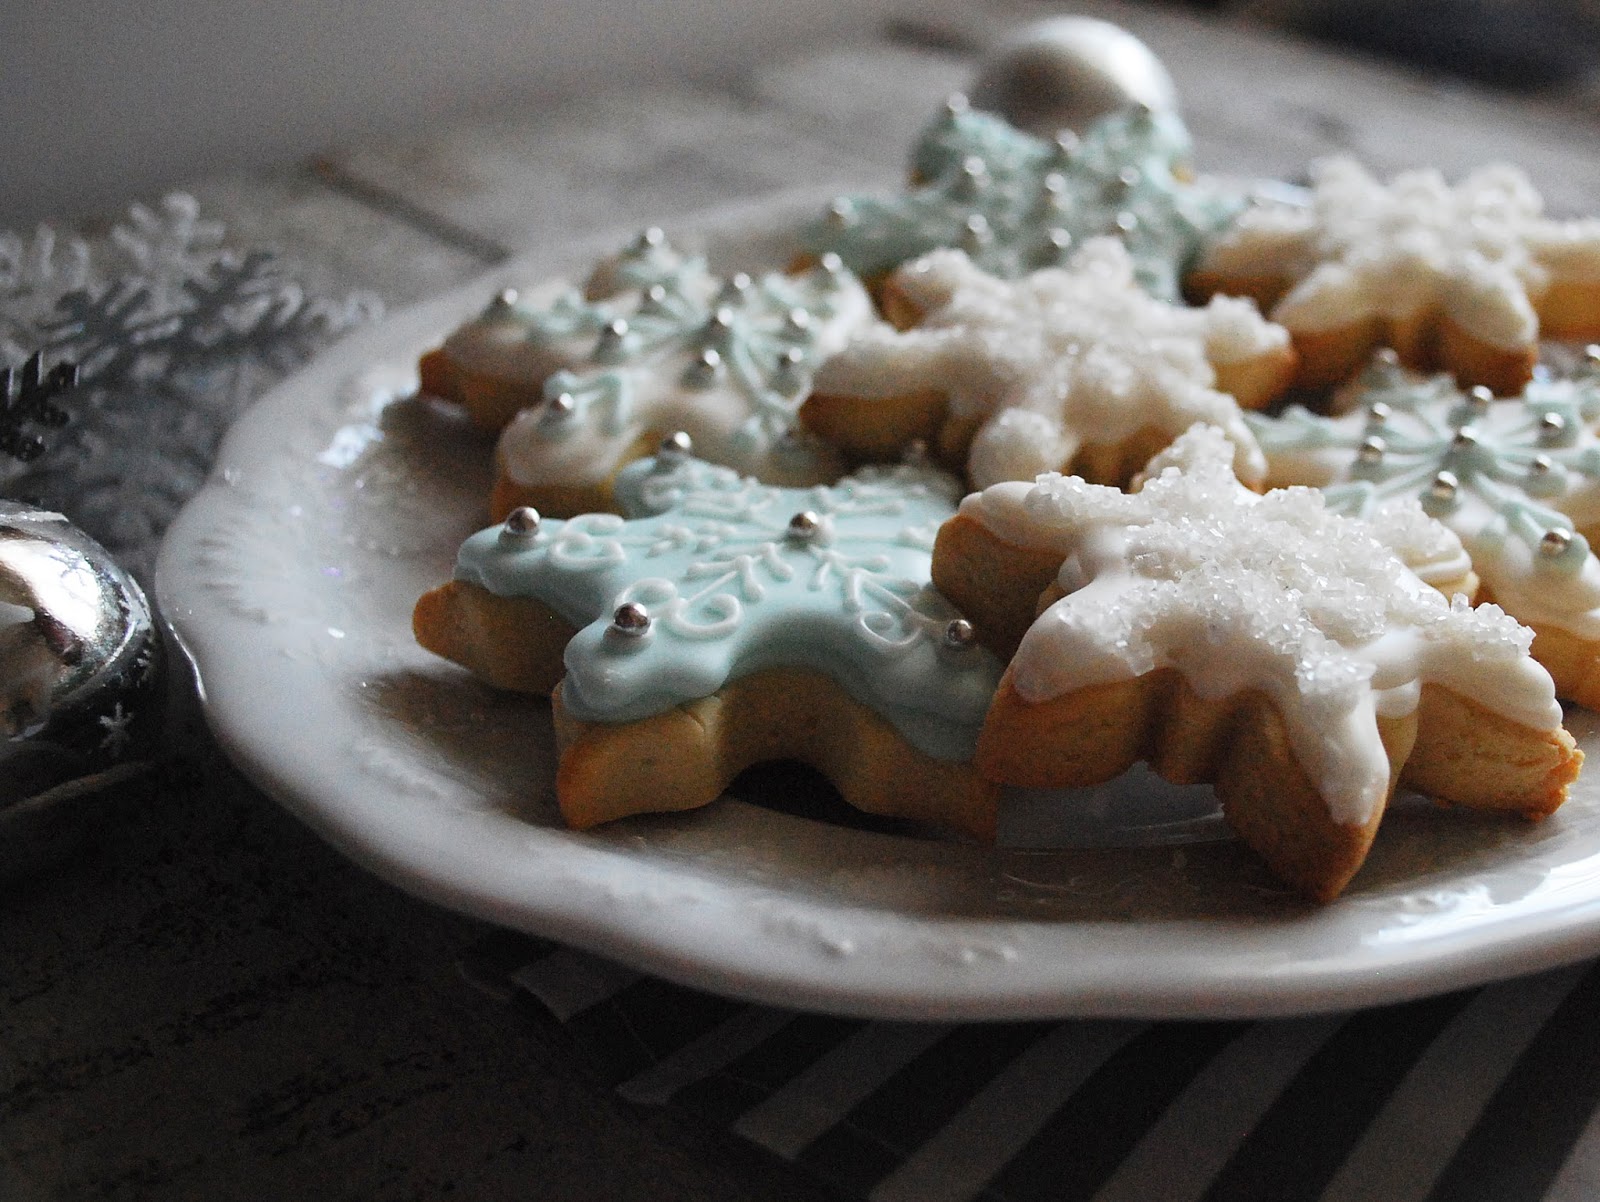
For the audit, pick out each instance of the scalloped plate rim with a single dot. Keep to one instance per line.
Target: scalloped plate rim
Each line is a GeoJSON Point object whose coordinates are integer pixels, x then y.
{"type": "Point", "coordinates": [719, 934]}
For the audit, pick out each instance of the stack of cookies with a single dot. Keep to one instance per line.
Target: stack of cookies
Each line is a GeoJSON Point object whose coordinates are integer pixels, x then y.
{"type": "Point", "coordinates": [1062, 459]}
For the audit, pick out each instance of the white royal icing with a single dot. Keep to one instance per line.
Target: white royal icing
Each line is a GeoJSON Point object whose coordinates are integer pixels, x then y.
{"type": "Point", "coordinates": [1502, 474]}
{"type": "Point", "coordinates": [1273, 593]}
{"type": "Point", "coordinates": [1481, 252]}
{"type": "Point", "coordinates": [1056, 359]}
{"type": "Point", "coordinates": [730, 590]}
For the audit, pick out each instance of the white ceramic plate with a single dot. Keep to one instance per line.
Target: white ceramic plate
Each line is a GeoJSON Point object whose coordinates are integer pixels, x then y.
{"type": "Point", "coordinates": [337, 501]}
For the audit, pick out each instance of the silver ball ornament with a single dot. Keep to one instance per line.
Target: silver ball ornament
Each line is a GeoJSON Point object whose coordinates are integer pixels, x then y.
{"type": "Point", "coordinates": [631, 620]}
{"type": "Point", "coordinates": [804, 526]}
{"type": "Point", "coordinates": [1066, 72]}
{"type": "Point", "coordinates": [675, 449]}
{"type": "Point", "coordinates": [520, 526]}
{"type": "Point", "coordinates": [81, 690]}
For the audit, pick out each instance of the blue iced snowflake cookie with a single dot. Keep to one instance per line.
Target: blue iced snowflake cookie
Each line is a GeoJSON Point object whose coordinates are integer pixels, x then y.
{"type": "Point", "coordinates": [732, 622]}
{"type": "Point", "coordinates": [656, 342]}
{"type": "Point", "coordinates": [1016, 203]}
{"type": "Point", "coordinates": [1517, 479]}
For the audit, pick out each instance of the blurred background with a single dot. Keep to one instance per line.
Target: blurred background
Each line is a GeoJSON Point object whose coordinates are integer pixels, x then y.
{"type": "Point", "coordinates": [104, 100]}
{"type": "Point", "coordinates": [1509, 43]}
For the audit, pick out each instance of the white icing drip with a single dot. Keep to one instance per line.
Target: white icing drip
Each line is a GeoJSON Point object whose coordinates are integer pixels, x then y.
{"type": "Point", "coordinates": [1235, 332]}
{"type": "Point", "coordinates": [1266, 240]}
{"type": "Point", "coordinates": [1480, 252]}
{"type": "Point", "coordinates": [1002, 509]}
{"type": "Point", "coordinates": [1569, 251]}
{"type": "Point", "coordinates": [1273, 593]}
{"type": "Point", "coordinates": [1081, 351]}
{"type": "Point", "coordinates": [1019, 443]}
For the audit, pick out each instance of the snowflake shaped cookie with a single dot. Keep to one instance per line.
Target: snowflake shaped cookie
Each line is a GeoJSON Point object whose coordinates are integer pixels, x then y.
{"type": "Point", "coordinates": [1267, 644]}
{"type": "Point", "coordinates": [660, 344]}
{"type": "Point", "coordinates": [496, 365]}
{"type": "Point", "coordinates": [1071, 368]}
{"type": "Point", "coordinates": [1517, 479]}
{"type": "Point", "coordinates": [1463, 278]}
{"type": "Point", "coordinates": [716, 582]}
{"type": "Point", "coordinates": [1016, 203]}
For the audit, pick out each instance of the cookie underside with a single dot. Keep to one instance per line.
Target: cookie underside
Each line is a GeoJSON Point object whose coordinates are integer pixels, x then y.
{"type": "Point", "coordinates": [490, 402]}
{"type": "Point", "coordinates": [1572, 661]}
{"type": "Point", "coordinates": [687, 756]}
{"type": "Point", "coordinates": [512, 643]}
{"type": "Point", "coordinates": [1449, 748]}
{"type": "Point", "coordinates": [994, 582]}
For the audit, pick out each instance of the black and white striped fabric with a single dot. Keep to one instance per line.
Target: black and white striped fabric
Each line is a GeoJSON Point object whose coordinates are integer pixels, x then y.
{"type": "Point", "coordinates": [1486, 1095]}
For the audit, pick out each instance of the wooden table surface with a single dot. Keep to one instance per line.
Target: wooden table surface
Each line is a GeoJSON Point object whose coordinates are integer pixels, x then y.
{"type": "Point", "coordinates": [208, 1002]}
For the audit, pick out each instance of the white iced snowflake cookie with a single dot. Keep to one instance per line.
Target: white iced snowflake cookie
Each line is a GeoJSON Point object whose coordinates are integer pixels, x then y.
{"type": "Point", "coordinates": [1263, 643]}
{"type": "Point", "coordinates": [1517, 479]}
{"type": "Point", "coordinates": [1070, 369]}
{"type": "Point", "coordinates": [1463, 278]}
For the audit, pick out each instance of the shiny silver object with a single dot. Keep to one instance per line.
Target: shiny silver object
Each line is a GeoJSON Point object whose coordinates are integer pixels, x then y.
{"type": "Point", "coordinates": [702, 373]}
{"type": "Point", "coordinates": [631, 620]}
{"type": "Point", "coordinates": [521, 525]}
{"type": "Point", "coordinates": [675, 449]}
{"type": "Point", "coordinates": [1066, 72]}
{"type": "Point", "coordinates": [1555, 542]}
{"type": "Point", "coordinates": [804, 526]}
{"type": "Point", "coordinates": [959, 634]}
{"type": "Point", "coordinates": [647, 240]}
{"type": "Point", "coordinates": [80, 678]}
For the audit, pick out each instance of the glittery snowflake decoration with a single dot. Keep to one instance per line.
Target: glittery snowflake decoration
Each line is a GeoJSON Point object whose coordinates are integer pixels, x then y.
{"type": "Point", "coordinates": [1016, 203]}
{"type": "Point", "coordinates": [173, 332]}
{"type": "Point", "coordinates": [1037, 372]}
{"type": "Point", "coordinates": [1517, 479]}
{"type": "Point", "coordinates": [1275, 592]}
{"type": "Point", "coordinates": [34, 272]}
{"type": "Point", "coordinates": [716, 575]}
{"type": "Point", "coordinates": [1271, 647]}
{"type": "Point", "coordinates": [1464, 278]}
{"type": "Point", "coordinates": [674, 347]}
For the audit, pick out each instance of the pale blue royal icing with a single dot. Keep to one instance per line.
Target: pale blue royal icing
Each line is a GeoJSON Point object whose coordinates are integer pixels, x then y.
{"type": "Point", "coordinates": [1511, 477]}
{"type": "Point", "coordinates": [671, 346]}
{"type": "Point", "coordinates": [1016, 203]}
{"type": "Point", "coordinates": [730, 591]}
